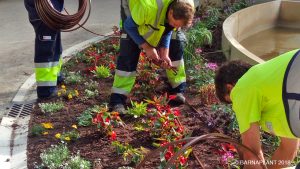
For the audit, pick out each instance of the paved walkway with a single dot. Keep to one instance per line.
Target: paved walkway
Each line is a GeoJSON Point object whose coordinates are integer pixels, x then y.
{"type": "Point", "coordinates": [17, 40]}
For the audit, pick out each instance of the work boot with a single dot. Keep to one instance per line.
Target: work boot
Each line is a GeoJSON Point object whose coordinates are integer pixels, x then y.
{"type": "Point", "coordinates": [179, 99]}
{"type": "Point", "coordinates": [119, 108]}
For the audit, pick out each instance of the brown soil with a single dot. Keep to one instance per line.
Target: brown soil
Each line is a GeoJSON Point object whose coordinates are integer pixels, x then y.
{"type": "Point", "coordinates": [95, 146]}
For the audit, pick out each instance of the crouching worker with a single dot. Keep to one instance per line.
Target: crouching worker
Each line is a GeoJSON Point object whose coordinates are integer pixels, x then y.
{"type": "Point", "coordinates": [265, 96]}
{"type": "Point", "coordinates": [148, 25]}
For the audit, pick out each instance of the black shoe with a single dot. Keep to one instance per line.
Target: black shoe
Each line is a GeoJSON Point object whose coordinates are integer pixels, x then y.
{"type": "Point", "coordinates": [47, 97]}
{"type": "Point", "coordinates": [178, 100]}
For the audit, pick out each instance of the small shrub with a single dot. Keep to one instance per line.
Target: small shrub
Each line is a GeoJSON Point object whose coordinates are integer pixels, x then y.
{"type": "Point", "coordinates": [67, 93]}
{"type": "Point", "coordinates": [137, 109]}
{"type": "Point", "coordinates": [73, 78]}
{"type": "Point", "coordinates": [212, 18]}
{"type": "Point", "coordinates": [85, 119]}
{"type": "Point", "coordinates": [51, 107]}
{"type": "Point", "coordinates": [91, 85]}
{"type": "Point", "coordinates": [77, 162]}
{"type": "Point", "coordinates": [102, 72]}
{"type": "Point", "coordinates": [207, 95]}
{"type": "Point", "coordinates": [55, 156]}
{"type": "Point", "coordinates": [129, 153]}
{"type": "Point", "coordinates": [70, 136]}
{"type": "Point", "coordinates": [91, 93]}
{"type": "Point", "coordinates": [37, 130]}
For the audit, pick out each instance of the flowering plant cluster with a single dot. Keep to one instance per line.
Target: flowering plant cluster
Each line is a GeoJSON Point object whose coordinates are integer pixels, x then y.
{"type": "Point", "coordinates": [227, 153]}
{"type": "Point", "coordinates": [106, 121]}
{"type": "Point", "coordinates": [67, 93]}
{"type": "Point", "coordinates": [165, 126]}
{"type": "Point", "coordinates": [147, 79]}
{"type": "Point", "coordinates": [129, 153]}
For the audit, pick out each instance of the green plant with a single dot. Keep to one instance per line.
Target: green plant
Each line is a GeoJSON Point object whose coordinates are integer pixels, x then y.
{"type": "Point", "coordinates": [102, 72]}
{"type": "Point", "coordinates": [82, 57]}
{"type": "Point", "coordinates": [212, 17]}
{"type": "Point", "coordinates": [51, 107]}
{"type": "Point", "coordinates": [230, 8]}
{"type": "Point", "coordinates": [91, 85]}
{"type": "Point", "coordinates": [55, 156]}
{"type": "Point", "coordinates": [91, 93]}
{"type": "Point", "coordinates": [197, 36]}
{"type": "Point", "coordinates": [73, 78]}
{"type": "Point", "coordinates": [70, 136]}
{"type": "Point", "coordinates": [129, 153]}
{"type": "Point", "coordinates": [67, 93]}
{"type": "Point", "coordinates": [85, 119]}
{"type": "Point", "coordinates": [199, 72]}
{"type": "Point", "coordinates": [37, 130]}
{"type": "Point", "coordinates": [77, 162]}
{"type": "Point", "coordinates": [137, 109]}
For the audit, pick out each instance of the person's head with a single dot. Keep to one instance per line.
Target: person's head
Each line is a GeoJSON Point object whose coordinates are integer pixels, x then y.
{"type": "Point", "coordinates": [227, 76]}
{"type": "Point", "coordinates": [181, 13]}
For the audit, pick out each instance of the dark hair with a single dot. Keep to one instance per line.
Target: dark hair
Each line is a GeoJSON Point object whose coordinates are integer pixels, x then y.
{"type": "Point", "coordinates": [229, 73]}
{"type": "Point", "coordinates": [182, 11]}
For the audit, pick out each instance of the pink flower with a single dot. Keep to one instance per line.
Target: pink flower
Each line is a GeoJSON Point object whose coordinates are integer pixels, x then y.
{"type": "Point", "coordinates": [212, 66]}
{"type": "Point", "coordinates": [198, 51]}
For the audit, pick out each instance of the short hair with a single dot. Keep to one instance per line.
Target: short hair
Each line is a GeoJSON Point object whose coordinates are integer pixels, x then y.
{"type": "Point", "coordinates": [182, 10]}
{"type": "Point", "coordinates": [229, 73]}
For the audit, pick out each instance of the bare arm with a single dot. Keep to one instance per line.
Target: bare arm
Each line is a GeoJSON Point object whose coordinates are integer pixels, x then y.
{"type": "Point", "coordinates": [251, 139]}
{"type": "Point", "coordinates": [285, 153]}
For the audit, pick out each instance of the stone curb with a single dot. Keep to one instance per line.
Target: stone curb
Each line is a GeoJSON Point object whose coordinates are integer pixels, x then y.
{"type": "Point", "coordinates": [14, 131]}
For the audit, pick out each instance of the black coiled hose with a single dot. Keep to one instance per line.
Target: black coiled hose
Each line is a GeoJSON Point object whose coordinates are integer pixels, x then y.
{"type": "Point", "coordinates": [58, 21]}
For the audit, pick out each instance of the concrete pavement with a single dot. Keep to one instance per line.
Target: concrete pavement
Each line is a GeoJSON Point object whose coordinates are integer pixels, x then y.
{"type": "Point", "coordinates": [17, 40]}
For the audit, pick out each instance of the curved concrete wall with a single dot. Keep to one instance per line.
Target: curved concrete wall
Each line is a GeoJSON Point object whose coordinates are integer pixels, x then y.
{"type": "Point", "coordinates": [254, 19]}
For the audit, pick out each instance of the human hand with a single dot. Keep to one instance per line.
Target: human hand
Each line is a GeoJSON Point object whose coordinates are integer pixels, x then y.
{"type": "Point", "coordinates": [150, 51]}
{"type": "Point", "coordinates": [164, 55]}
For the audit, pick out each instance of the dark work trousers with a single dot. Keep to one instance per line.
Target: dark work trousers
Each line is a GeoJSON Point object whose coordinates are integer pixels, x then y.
{"type": "Point", "coordinates": [48, 48]}
{"type": "Point", "coordinates": [128, 60]}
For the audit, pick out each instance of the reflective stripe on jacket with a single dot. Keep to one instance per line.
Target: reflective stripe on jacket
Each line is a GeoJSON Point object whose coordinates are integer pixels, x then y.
{"type": "Point", "coordinates": [150, 15]}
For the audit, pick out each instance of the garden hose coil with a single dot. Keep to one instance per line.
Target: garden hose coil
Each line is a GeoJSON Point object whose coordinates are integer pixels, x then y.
{"type": "Point", "coordinates": [58, 21]}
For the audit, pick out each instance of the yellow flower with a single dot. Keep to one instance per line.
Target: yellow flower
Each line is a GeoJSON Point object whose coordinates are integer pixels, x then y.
{"type": "Point", "coordinates": [70, 96]}
{"type": "Point", "coordinates": [58, 93]}
{"type": "Point", "coordinates": [64, 90]}
{"type": "Point", "coordinates": [63, 86]}
{"type": "Point", "coordinates": [45, 133]}
{"type": "Point", "coordinates": [76, 93]}
{"type": "Point", "coordinates": [67, 138]}
{"type": "Point", "coordinates": [57, 135]}
{"type": "Point", "coordinates": [47, 125]}
{"type": "Point", "coordinates": [74, 126]}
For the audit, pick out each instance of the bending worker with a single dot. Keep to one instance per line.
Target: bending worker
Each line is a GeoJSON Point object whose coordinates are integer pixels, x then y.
{"type": "Point", "coordinates": [148, 26]}
{"type": "Point", "coordinates": [48, 50]}
{"type": "Point", "coordinates": [265, 96]}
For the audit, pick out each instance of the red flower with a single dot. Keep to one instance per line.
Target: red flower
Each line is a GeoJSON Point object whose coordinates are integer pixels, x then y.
{"type": "Point", "coordinates": [182, 160]}
{"type": "Point", "coordinates": [180, 129]}
{"type": "Point", "coordinates": [168, 155]}
{"type": "Point", "coordinates": [176, 112]}
{"type": "Point", "coordinates": [172, 97]}
{"type": "Point", "coordinates": [113, 136]}
{"type": "Point", "coordinates": [112, 66]}
{"type": "Point", "coordinates": [228, 147]}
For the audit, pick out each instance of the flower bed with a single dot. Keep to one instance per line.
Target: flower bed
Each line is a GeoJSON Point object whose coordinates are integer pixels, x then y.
{"type": "Point", "coordinates": [77, 130]}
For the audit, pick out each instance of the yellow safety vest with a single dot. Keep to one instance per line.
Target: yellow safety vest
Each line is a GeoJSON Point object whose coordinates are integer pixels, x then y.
{"type": "Point", "coordinates": [150, 16]}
